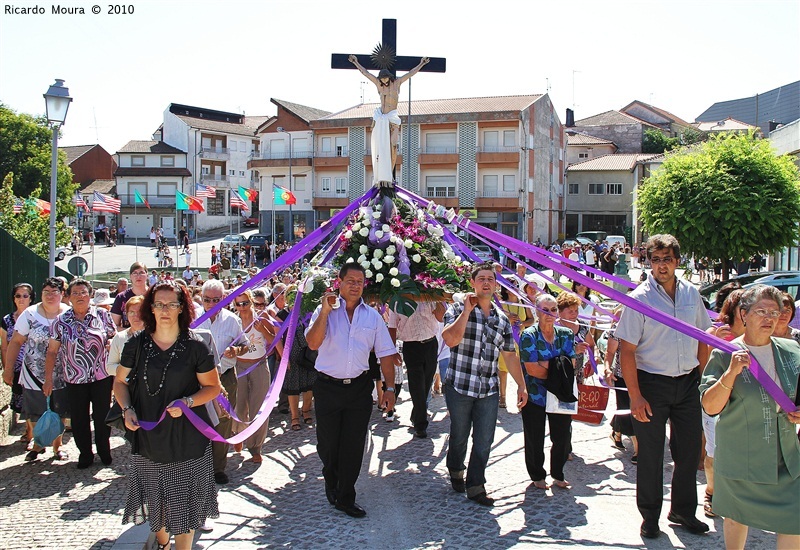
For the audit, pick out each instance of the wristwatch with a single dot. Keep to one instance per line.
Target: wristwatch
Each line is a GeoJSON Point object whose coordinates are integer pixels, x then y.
{"type": "Point", "coordinates": [390, 389]}
{"type": "Point", "coordinates": [189, 402]}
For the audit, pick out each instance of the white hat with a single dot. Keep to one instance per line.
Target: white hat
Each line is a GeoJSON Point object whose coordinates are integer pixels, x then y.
{"type": "Point", "coordinates": [535, 280]}
{"type": "Point", "coordinates": [102, 297]}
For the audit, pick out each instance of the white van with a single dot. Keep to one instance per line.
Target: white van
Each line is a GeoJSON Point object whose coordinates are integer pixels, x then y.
{"type": "Point", "coordinates": [616, 239]}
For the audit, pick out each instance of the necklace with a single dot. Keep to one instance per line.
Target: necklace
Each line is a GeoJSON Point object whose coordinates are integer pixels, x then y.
{"type": "Point", "coordinates": [152, 353]}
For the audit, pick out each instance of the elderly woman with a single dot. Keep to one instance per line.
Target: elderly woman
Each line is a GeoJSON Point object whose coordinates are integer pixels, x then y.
{"type": "Point", "coordinates": [757, 454]}
{"type": "Point", "coordinates": [133, 315]}
{"type": "Point", "coordinates": [171, 478]}
{"type": "Point", "coordinates": [32, 332]}
{"type": "Point", "coordinates": [537, 346]}
{"type": "Point", "coordinates": [22, 296]}
{"type": "Point", "coordinates": [78, 339]}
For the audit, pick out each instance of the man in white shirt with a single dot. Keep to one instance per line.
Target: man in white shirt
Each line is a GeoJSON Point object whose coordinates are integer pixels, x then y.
{"type": "Point", "coordinates": [226, 329]}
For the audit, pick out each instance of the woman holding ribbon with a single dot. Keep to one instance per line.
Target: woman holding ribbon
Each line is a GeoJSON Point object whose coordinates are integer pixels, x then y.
{"type": "Point", "coordinates": [171, 477]}
{"type": "Point", "coordinates": [757, 453]}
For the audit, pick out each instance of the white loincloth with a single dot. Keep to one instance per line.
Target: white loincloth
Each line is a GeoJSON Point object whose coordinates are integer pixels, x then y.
{"type": "Point", "coordinates": [381, 144]}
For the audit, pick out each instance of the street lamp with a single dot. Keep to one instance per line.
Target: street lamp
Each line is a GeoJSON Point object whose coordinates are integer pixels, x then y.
{"type": "Point", "coordinates": [291, 218]}
{"type": "Point", "coordinates": [56, 102]}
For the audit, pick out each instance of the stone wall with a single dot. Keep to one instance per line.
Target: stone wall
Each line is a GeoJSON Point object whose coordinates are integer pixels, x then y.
{"type": "Point", "coordinates": [6, 414]}
{"type": "Point", "coordinates": [628, 137]}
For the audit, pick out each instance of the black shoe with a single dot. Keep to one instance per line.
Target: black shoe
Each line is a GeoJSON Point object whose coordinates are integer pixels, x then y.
{"type": "Point", "coordinates": [33, 455]}
{"type": "Point", "coordinates": [221, 478]}
{"type": "Point", "coordinates": [482, 499]}
{"type": "Point", "coordinates": [85, 461]}
{"type": "Point", "coordinates": [352, 510]}
{"type": "Point", "coordinates": [649, 529]}
{"type": "Point", "coordinates": [330, 494]}
{"type": "Point", "coordinates": [422, 434]}
{"type": "Point", "coordinates": [459, 485]}
{"type": "Point", "coordinates": [106, 459]}
{"type": "Point", "coordinates": [692, 524]}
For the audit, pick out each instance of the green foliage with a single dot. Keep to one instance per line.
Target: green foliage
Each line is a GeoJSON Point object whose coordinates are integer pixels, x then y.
{"type": "Point", "coordinates": [656, 141]}
{"type": "Point", "coordinates": [729, 197]}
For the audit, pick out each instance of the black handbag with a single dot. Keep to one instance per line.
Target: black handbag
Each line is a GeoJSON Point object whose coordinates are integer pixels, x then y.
{"type": "Point", "coordinates": [115, 417]}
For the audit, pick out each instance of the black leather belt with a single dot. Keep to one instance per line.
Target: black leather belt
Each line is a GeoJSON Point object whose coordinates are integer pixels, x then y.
{"type": "Point", "coordinates": [344, 381]}
{"type": "Point", "coordinates": [428, 341]}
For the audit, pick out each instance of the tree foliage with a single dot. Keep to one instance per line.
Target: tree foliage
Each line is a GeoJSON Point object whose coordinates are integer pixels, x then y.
{"type": "Point", "coordinates": [656, 141]}
{"type": "Point", "coordinates": [729, 197]}
{"type": "Point", "coordinates": [26, 145]}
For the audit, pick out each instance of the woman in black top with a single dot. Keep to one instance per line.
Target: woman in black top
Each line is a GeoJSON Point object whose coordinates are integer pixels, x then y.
{"type": "Point", "coordinates": [171, 480]}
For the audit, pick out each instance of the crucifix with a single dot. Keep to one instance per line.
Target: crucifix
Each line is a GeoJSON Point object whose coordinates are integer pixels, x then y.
{"type": "Point", "coordinates": [386, 121]}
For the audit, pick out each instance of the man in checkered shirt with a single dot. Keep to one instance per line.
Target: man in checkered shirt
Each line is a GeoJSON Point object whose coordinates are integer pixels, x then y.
{"type": "Point", "coordinates": [477, 332]}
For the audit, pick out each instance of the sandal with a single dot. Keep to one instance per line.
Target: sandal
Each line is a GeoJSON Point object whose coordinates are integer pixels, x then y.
{"type": "Point", "coordinates": [707, 510]}
{"type": "Point", "coordinates": [164, 546]}
{"type": "Point", "coordinates": [617, 443]}
{"type": "Point", "coordinates": [295, 424]}
{"type": "Point", "coordinates": [33, 455]}
{"type": "Point", "coordinates": [635, 459]}
{"type": "Point", "coordinates": [502, 401]}
{"type": "Point", "coordinates": [307, 416]}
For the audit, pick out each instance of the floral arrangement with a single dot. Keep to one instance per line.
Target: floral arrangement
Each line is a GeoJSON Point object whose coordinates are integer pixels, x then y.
{"type": "Point", "coordinates": [405, 256]}
{"type": "Point", "coordinates": [315, 282]}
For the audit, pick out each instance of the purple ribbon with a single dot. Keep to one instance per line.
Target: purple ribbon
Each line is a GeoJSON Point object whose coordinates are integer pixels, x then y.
{"type": "Point", "coordinates": [521, 248]}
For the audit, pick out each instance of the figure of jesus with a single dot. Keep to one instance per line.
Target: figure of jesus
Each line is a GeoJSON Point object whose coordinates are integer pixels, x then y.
{"type": "Point", "coordinates": [386, 121]}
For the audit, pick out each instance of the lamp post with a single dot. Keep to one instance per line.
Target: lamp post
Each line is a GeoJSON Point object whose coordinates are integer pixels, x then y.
{"type": "Point", "coordinates": [291, 218]}
{"type": "Point", "coordinates": [56, 102]}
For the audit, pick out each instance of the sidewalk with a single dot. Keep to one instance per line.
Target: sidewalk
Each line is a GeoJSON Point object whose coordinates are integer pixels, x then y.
{"type": "Point", "coordinates": [403, 486]}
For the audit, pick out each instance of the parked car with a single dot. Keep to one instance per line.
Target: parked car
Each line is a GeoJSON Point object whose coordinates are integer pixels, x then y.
{"type": "Point", "coordinates": [61, 252]}
{"type": "Point", "coordinates": [483, 251]}
{"type": "Point", "coordinates": [593, 235]}
{"type": "Point", "coordinates": [788, 281]}
{"type": "Point", "coordinates": [258, 240]}
{"type": "Point", "coordinates": [250, 222]}
{"type": "Point", "coordinates": [232, 240]}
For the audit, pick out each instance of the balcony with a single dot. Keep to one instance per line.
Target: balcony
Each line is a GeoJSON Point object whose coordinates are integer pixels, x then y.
{"type": "Point", "coordinates": [446, 196]}
{"type": "Point", "coordinates": [215, 153]}
{"type": "Point", "coordinates": [330, 199]}
{"type": "Point", "coordinates": [273, 159]}
{"type": "Point", "coordinates": [497, 199]}
{"type": "Point", "coordinates": [438, 155]}
{"type": "Point", "coordinates": [212, 178]}
{"type": "Point", "coordinates": [498, 155]}
{"type": "Point", "coordinates": [338, 158]}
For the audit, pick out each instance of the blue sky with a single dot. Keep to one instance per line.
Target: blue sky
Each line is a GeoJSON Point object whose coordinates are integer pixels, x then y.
{"type": "Point", "coordinates": [124, 70]}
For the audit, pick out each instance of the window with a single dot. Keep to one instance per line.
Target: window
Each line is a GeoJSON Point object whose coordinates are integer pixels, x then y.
{"type": "Point", "coordinates": [166, 189]}
{"type": "Point", "coordinates": [574, 189]}
{"type": "Point", "coordinates": [509, 138]}
{"type": "Point", "coordinates": [232, 146]}
{"type": "Point", "coordinates": [341, 186]}
{"type": "Point", "coordinates": [141, 187]}
{"type": "Point", "coordinates": [167, 160]}
{"type": "Point", "coordinates": [205, 169]}
{"type": "Point", "coordinates": [216, 206]}
{"type": "Point", "coordinates": [299, 147]}
{"type": "Point", "coordinates": [490, 141]}
{"type": "Point", "coordinates": [596, 188]}
{"type": "Point", "coordinates": [489, 186]}
{"type": "Point", "coordinates": [325, 145]}
{"type": "Point", "coordinates": [231, 172]}
{"type": "Point", "coordinates": [241, 173]}
{"type": "Point", "coordinates": [341, 147]}
{"type": "Point", "coordinates": [243, 146]}
{"type": "Point", "coordinates": [613, 189]}
{"type": "Point", "coordinates": [444, 142]}
{"type": "Point", "coordinates": [583, 155]}
{"type": "Point", "coordinates": [137, 160]}
{"type": "Point", "coordinates": [509, 183]}
{"type": "Point", "coordinates": [325, 185]}
{"type": "Point", "coordinates": [300, 183]}
{"type": "Point", "coordinates": [440, 186]}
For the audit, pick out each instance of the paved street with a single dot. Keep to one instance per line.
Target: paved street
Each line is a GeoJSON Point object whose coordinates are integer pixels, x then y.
{"type": "Point", "coordinates": [403, 486]}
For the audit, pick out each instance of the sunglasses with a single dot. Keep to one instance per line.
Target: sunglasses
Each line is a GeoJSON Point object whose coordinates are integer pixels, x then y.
{"type": "Point", "coordinates": [212, 300]}
{"type": "Point", "coordinates": [242, 304]}
{"type": "Point", "coordinates": [22, 295]}
{"type": "Point", "coordinates": [259, 304]}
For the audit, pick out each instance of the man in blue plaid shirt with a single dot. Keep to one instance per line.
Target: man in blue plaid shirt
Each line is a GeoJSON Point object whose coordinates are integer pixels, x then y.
{"type": "Point", "coordinates": [477, 332]}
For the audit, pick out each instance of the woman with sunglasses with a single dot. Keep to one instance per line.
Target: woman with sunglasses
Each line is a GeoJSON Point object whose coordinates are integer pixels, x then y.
{"type": "Point", "coordinates": [32, 330]}
{"type": "Point", "coordinates": [757, 454]}
{"type": "Point", "coordinates": [253, 386]}
{"type": "Point", "coordinates": [171, 476]}
{"type": "Point", "coordinates": [22, 296]}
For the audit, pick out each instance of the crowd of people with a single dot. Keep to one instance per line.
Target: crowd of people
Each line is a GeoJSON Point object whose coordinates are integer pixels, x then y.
{"type": "Point", "coordinates": [78, 345]}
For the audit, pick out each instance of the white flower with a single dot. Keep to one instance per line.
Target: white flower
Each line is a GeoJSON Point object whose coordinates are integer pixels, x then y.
{"type": "Point", "coordinates": [408, 243]}
{"type": "Point", "coordinates": [379, 234]}
{"type": "Point", "coordinates": [363, 249]}
{"type": "Point", "coordinates": [449, 255]}
{"type": "Point", "coordinates": [395, 283]}
{"type": "Point", "coordinates": [348, 234]}
{"type": "Point", "coordinates": [361, 259]}
{"type": "Point", "coordinates": [391, 249]}
{"type": "Point", "coordinates": [386, 228]}
{"type": "Point", "coordinates": [368, 273]}
{"type": "Point", "coordinates": [393, 272]}
{"type": "Point", "coordinates": [308, 285]}
{"type": "Point", "coordinates": [434, 230]}
{"type": "Point", "coordinates": [379, 277]}
{"type": "Point", "coordinates": [458, 258]}
{"type": "Point", "coordinates": [363, 232]}
{"type": "Point", "coordinates": [388, 259]}
{"type": "Point", "coordinates": [378, 253]}
{"type": "Point", "coordinates": [365, 264]}
{"type": "Point", "coordinates": [356, 226]}
{"type": "Point", "coordinates": [416, 258]}
{"type": "Point", "coordinates": [376, 215]}
{"type": "Point", "coordinates": [350, 260]}
{"type": "Point", "coordinates": [377, 264]}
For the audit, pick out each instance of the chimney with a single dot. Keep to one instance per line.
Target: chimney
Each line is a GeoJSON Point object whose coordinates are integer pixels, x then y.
{"type": "Point", "coordinates": [570, 118]}
{"type": "Point", "coordinates": [773, 125]}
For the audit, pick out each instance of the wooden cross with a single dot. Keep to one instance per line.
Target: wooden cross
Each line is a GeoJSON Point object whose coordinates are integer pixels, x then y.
{"type": "Point", "coordinates": [402, 62]}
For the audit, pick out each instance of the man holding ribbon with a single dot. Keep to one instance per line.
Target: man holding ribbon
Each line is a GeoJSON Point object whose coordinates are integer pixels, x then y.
{"type": "Point", "coordinates": [661, 367]}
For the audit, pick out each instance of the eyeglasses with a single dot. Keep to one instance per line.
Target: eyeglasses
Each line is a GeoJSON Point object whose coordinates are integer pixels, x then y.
{"type": "Point", "coordinates": [212, 300]}
{"type": "Point", "coordinates": [242, 304]}
{"type": "Point", "coordinates": [549, 310]}
{"type": "Point", "coordinates": [171, 305]}
{"type": "Point", "coordinates": [79, 294]}
{"type": "Point", "coordinates": [657, 260]}
{"type": "Point", "coordinates": [51, 292]}
{"type": "Point", "coordinates": [771, 313]}
{"type": "Point", "coordinates": [135, 313]}
{"type": "Point", "coordinates": [259, 305]}
{"type": "Point", "coordinates": [23, 296]}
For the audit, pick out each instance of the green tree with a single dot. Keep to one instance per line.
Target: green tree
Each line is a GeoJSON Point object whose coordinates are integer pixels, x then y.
{"type": "Point", "coordinates": [729, 197]}
{"type": "Point", "coordinates": [656, 141]}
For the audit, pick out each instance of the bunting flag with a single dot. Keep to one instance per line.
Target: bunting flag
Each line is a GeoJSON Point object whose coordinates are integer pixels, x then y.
{"type": "Point", "coordinates": [188, 202]}
{"type": "Point", "coordinates": [80, 203]}
{"type": "Point", "coordinates": [140, 199]}
{"type": "Point", "coordinates": [105, 203]}
{"type": "Point", "coordinates": [238, 202]}
{"type": "Point", "coordinates": [282, 195]}
{"type": "Point", "coordinates": [18, 205]}
{"type": "Point", "coordinates": [42, 207]}
{"type": "Point", "coordinates": [206, 191]}
{"type": "Point", "coordinates": [249, 194]}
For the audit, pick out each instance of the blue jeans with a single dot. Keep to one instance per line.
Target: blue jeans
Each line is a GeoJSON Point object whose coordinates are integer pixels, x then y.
{"type": "Point", "coordinates": [478, 415]}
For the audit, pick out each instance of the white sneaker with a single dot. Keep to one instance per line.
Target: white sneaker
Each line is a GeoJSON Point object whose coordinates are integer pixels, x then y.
{"type": "Point", "coordinates": [390, 416]}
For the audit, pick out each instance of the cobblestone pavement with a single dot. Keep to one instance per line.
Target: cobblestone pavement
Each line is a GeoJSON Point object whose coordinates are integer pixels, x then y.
{"type": "Point", "coordinates": [403, 486]}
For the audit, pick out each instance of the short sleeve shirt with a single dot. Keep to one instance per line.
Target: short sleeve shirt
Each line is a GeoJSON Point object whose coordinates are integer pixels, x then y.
{"type": "Point", "coordinates": [83, 344]}
{"type": "Point", "coordinates": [119, 306]}
{"type": "Point", "coordinates": [533, 347]}
{"type": "Point", "coordinates": [36, 328]}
